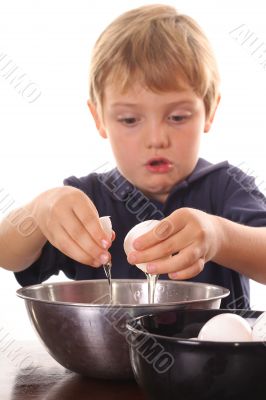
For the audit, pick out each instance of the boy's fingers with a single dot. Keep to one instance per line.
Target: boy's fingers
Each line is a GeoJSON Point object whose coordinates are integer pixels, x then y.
{"type": "Point", "coordinates": [172, 245]}
{"type": "Point", "coordinates": [190, 272]}
{"type": "Point", "coordinates": [184, 259]}
{"type": "Point", "coordinates": [89, 217]}
{"type": "Point", "coordinates": [70, 248]}
{"type": "Point", "coordinates": [160, 232]}
{"type": "Point", "coordinates": [82, 237]}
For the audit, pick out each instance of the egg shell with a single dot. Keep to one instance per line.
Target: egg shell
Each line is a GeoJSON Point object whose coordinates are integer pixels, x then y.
{"type": "Point", "coordinates": [135, 232]}
{"type": "Point", "coordinates": [226, 328]}
{"type": "Point", "coordinates": [106, 225]}
{"type": "Point", "coordinates": [259, 329]}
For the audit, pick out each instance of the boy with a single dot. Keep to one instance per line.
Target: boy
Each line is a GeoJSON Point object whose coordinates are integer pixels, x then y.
{"type": "Point", "coordinates": [154, 89]}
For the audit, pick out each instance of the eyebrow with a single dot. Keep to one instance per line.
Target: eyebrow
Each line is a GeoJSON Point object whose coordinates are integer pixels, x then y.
{"type": "Point", "coordinates": [134, 105]}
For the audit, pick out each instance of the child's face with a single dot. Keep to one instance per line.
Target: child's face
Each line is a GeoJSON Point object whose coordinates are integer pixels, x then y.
{"type": "Point", "coordinates": [155, 137]}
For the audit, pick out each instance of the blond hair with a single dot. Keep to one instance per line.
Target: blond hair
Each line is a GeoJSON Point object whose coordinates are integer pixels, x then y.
{"type": "Point", "coordinates": [158, 46]}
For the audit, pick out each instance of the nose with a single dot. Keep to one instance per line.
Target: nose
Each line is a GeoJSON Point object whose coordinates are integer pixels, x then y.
{"type": "Point", "coordinates": [156, 137]}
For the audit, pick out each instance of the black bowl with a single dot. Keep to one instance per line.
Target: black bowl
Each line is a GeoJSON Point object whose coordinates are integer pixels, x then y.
{"type": "Point", "coordinates": [167, 364]}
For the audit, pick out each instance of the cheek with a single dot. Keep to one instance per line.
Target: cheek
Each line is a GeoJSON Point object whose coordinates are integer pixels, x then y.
{"type": "Point", "coordinates": [122, 142]}
{"type": "Point", "coordinates": [188, 141]}
{"type": "Point", "coordinates": [123, 151]}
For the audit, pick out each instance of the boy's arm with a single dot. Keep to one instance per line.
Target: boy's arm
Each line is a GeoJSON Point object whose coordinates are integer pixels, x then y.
{"type": "Point", "coordinates": [21, 240]}
{"type": "Point", "coordinates": [241, 247]}
{"type": "Point", "coordinates": [64, 216]}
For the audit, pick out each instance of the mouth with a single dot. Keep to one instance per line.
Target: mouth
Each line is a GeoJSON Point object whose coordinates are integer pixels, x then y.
{"type": "Point", "coordinates": [159, 165]}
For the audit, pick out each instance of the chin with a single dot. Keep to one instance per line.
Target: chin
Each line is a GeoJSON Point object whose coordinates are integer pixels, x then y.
{"type": "Point", "coordinates": [157, 191]}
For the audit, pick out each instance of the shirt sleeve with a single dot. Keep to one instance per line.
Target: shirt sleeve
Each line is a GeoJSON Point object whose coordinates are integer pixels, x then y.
{"type": "Point", "coordinates": [242, 201]}
{"type": "Point", "coordinates": [50, 262]}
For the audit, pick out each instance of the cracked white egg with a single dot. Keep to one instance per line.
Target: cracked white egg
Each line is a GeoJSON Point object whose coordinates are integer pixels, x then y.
{"type": "Point", "coordinates": [135, 232]}
{"type": "Point", "coordinates": [106, 225]}
{"type": "Point", "coordinates": [226, 327]}
{"type": "Point", "coordinates": [259, 329]}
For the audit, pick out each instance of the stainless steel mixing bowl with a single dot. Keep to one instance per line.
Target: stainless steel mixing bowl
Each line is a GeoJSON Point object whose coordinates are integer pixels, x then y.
{"type": "Point", "coordinates": [86, 334]}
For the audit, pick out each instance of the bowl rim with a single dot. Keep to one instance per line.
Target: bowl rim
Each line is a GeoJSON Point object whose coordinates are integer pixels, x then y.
{"type": "Point", "coordinates": [20, 293]}
{"type": "Point", "coordinates": [193, 341]}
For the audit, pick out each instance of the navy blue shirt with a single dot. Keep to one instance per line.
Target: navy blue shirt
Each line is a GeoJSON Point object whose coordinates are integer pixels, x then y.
{"type": "Point", "coordinates": [219, 189]}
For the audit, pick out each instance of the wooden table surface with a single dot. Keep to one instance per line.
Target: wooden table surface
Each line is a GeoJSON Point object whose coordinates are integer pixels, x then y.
{"type": "Point", "coordinates": [28, 372]}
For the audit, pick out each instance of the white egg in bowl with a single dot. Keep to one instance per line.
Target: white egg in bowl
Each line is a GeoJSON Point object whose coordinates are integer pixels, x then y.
{"type": "Point", "coordinates": [226, 327]}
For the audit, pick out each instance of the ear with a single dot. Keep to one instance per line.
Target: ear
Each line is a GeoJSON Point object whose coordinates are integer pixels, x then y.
{"type": "Point", "coordinates": [97, 119]}
{"type": "Point", "coordinates": [209, 120]}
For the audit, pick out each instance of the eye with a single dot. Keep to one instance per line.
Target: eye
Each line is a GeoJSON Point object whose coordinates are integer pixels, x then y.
{"type": "Point", "coordinates": [178, 118]}
{"type": "Point", "coordinates": [128, 121]}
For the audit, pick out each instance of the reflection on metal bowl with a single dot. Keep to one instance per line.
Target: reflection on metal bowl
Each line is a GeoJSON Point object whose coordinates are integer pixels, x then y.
{"type": "Point", "coordinates": [86, 334]}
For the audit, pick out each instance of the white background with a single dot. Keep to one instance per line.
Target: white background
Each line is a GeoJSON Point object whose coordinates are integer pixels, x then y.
{"type": "Point", "coordinates": [54, 137]}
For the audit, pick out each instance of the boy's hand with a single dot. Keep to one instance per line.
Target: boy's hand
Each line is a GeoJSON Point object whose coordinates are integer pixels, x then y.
{"type": "Point", "coordinates": [69, 220]}
{"type": "Point", "coordinates": [188, 234]}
